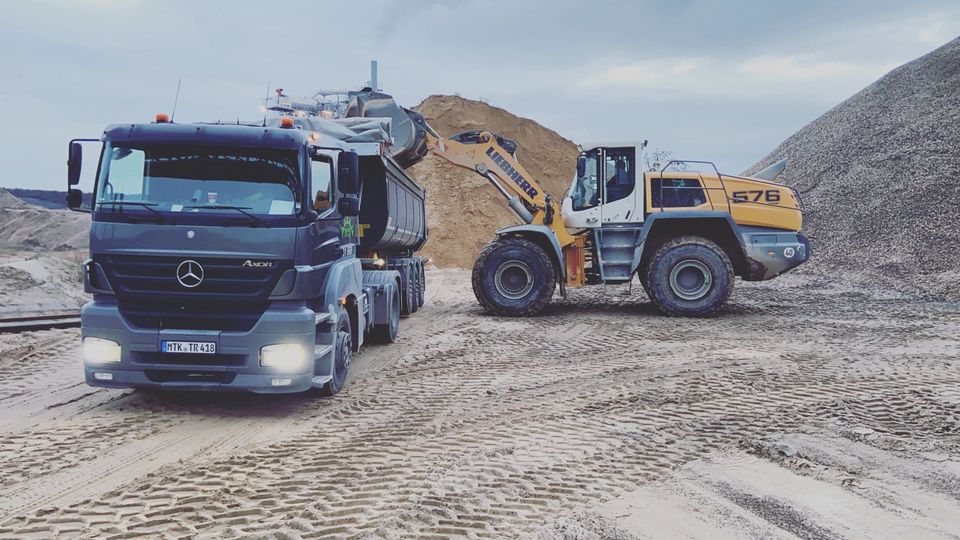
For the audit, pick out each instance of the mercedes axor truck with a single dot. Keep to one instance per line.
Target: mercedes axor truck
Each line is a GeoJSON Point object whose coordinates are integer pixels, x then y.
{"type": "Point", "coordinates": [246, 257]}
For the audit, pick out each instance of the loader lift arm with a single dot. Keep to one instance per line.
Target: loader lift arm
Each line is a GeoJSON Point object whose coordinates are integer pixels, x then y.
{"type": "Point", "coordinates": [493, 157]}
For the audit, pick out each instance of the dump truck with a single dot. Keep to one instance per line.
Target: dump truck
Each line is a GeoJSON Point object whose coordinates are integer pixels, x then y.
{"type": "Point", "coordinates": [255, 257]}
{"type": "Point", "coordinates": [685, 234]}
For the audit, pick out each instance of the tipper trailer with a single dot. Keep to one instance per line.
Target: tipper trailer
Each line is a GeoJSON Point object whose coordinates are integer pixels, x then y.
{"type": "Point", "coordinates": [246, 257]}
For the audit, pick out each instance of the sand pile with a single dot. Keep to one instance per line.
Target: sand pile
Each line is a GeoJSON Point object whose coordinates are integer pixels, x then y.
{"type": "Point", "coordinates": [24, 225]}
{"type": "Point", "coordinates": [879, 176]}
{"type": "Point", "coordinates": [463, 209]}
{"type": "Point", "coordinates": [8, 200]}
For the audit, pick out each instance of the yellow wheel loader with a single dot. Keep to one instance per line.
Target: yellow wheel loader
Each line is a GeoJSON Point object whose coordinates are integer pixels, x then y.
{"type": "Point", "coordinates": [686, 235]}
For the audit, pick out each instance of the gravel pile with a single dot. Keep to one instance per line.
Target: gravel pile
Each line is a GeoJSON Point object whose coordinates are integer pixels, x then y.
{"type": "Point", "coordinates": [880, 177]}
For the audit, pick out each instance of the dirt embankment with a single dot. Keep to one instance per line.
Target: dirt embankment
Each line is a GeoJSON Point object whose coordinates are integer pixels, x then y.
{"type": "Point", "coordinates": [878, 174]}
{"type": "Point", "coordinates": [41, 252]}
{"type": "Point", "coordinates": [463, 210]}
{"type": "Point", "coordinates": [24, 225]}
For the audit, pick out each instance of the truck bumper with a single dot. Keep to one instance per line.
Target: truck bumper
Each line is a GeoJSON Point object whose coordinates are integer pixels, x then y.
{"type": "Point", "coordinates": [771, 253]}
{"type": "Point", "coordinates": [234, 367]}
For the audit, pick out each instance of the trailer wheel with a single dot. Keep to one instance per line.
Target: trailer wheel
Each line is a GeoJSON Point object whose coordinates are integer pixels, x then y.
{"type": "Point", "coordinates": [407, 297]}
{"type": "Point", "coordinates": [387, 333]}
{"type": "Point", "coordinates": [343, 349]}
{"type": "Point", "coordinates": [513, 277]}
{"type": "Point", "coordinates": [414, 288]}
{"type": "Point", "coordinates": [422, 282]}
{"type": "Point", "coordinates": [690, 276]}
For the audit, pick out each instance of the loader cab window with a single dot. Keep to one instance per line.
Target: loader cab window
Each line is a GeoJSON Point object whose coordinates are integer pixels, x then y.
{"type": "Point", "coordinates": [321, 179]}
{"type": "Point", "coordinates": [619, 173]}
{"type": "Point", "coordinates": [676, 193]}
{"type": "Point", "coordinates": [586, 189]}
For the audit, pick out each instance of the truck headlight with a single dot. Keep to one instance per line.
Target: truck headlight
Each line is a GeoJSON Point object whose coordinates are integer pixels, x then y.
{"type": "Point", "coordinates": [100, 351]}
{"type": "Point", "coordinates": [289, 357]}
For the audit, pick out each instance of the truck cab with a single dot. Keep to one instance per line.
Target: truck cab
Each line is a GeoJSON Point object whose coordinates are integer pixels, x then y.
{"type": "Point", "coordinates": [225, 257]}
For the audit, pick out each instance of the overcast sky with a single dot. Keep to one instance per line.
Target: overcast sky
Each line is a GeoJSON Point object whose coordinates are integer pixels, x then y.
{"type": "Point", "coordinates": [724, 81]}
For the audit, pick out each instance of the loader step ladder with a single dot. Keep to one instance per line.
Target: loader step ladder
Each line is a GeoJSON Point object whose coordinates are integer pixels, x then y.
{"type": "Point", "coordinates": [617, 252]}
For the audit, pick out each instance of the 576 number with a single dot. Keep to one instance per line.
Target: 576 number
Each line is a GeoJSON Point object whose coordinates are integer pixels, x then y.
{"type": "Point", "coordinates": [770, 196]}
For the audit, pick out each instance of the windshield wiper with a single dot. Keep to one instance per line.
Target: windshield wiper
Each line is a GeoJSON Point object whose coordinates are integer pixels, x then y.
{"type": "Point", "coordinates": [241, 209]}
{"type": "Point", "coordinates": [146, 205]}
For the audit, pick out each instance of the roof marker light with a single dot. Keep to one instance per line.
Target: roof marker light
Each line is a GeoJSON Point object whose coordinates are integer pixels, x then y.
{"type": "Point", "coordinates": [162, 118]}
{"type": "Point", "coordinates": [286, 122]}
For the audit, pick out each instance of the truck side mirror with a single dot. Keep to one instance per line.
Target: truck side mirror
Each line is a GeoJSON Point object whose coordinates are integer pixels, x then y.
{"type": "Point", "coordinates": [348, 180]}
{"type": "Point", "coordinates": [74, 162]}
{"type": "Point", "coordinates": [74, 199]}
{"type": "Point", "coordinates": [581, 165]}
{"type": "Point", "coordinates": [348, 206]}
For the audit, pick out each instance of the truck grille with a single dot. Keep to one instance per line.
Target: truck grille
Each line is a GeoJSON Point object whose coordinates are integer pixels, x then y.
{"type": "Point", "coordinates": [230, 297]}
{"type": "Point", "coordinates": [138, 277]}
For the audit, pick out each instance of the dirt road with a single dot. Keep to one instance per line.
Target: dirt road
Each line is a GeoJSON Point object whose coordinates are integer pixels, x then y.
{"type": "Point", "coordinates": [805, 410]}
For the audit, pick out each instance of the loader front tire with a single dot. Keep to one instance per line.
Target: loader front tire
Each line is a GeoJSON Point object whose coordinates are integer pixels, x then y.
{"type": "Point", "coordinates": [513, 277]}
{"type": "Point", "coordinates": [689, 276]}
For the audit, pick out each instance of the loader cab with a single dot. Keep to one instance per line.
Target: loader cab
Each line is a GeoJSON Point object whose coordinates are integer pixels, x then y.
{"type": "Point", "coordinates": [605, 188]}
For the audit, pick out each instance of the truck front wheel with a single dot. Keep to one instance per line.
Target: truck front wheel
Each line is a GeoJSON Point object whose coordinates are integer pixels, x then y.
{"type": "Point", "coordinates": [343, 350]}
{"type": "Point", "coordinates": [513, 277]}
{"type": "Point", "coordinates": [689, 276]}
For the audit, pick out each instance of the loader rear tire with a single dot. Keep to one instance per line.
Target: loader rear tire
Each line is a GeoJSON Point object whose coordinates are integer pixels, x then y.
{"type": "Point", "coordinates": [690, 276]}
{"type": "Point", "coordinates": [513, 277]}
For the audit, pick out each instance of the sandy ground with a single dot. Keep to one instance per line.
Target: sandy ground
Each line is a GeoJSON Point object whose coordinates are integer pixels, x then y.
{"type": "Point", "coordinates": [806, 409]}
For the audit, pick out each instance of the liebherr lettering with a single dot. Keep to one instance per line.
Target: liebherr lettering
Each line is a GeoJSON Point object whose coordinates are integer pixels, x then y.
{"type": "Point", "coordinates": [512, 173]}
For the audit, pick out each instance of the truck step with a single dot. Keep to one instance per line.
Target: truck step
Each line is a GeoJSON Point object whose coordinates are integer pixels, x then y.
{"type": "Point", "coordinates": [321, 380]}
{"type": "Point", "coordinates": [319, 351]}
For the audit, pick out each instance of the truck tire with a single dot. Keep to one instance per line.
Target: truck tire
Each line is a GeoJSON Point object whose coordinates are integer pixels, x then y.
{"type": "Point", "coordinates": [343, 351]}
{"type": "Point", "coordinates": [421, 290]}
{"type": "Point", "coordinates": [387, 333]}
{"type": "Point", "coordinates": [414, 288]}
{"type": "Point", "coordinates": [690, 276]}
{"type": "Point", "coordinates": [513, 277]}
{"type": "Point", "coordinates": [407, 298]}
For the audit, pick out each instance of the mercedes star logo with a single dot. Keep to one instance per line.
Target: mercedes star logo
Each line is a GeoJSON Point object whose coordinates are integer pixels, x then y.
{"type": "Point", "coordinates": [190, 274]}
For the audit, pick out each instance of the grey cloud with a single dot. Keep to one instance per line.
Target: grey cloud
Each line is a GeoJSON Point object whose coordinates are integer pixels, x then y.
{"type": "Point", "coordinates": [81, 65]}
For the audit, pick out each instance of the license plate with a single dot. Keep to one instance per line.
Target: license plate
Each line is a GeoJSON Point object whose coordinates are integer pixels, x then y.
{"type": "Point", "coordinates": [188, 347]}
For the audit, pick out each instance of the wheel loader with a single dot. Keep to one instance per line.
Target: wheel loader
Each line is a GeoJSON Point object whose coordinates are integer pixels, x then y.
{"type": "Point", "coordinates": [685, 235]}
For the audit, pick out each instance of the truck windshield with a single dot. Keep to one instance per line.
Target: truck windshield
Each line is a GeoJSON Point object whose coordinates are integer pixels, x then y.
{"type": "Point", "coordinates": [162, 178]}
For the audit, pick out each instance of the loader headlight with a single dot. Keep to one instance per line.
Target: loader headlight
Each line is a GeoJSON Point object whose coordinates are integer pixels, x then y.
{"type": "Point", "coordinates": [789, 252]}
{"type": "Point", "coordinates": [100, 351]}
{"type": "Point", "coordinates": [288, 357]}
